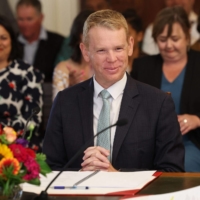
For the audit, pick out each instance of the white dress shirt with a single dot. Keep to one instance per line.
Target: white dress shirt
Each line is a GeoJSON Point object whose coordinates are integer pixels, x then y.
{"type": "Point", "coordinates": [116, 91]}
{"type": "Point", "coordinates": [30, 49]}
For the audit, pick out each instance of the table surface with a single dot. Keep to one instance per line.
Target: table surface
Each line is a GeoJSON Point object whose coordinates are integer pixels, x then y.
{"type": "Point", "coordinates": [167, 182]}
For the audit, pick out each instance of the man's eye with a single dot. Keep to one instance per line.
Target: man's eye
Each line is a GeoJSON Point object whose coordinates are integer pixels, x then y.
{"type": "Point", "coordinates": [119, 49]}
{"type": "Point", "coordinates": [100, 50]}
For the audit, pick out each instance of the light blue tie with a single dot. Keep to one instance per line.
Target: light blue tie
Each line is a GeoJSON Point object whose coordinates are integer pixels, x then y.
{"type": "Point", "coordinates": [103, 139]}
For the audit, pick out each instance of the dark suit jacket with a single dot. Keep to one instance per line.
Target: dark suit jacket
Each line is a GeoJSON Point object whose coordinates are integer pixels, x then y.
{"type": "Point", "coordinates": [149, 70]}
{"type": "Point", "coordinates": [150, 140]}
{"type": "Point", "coordinates": [46, 54]}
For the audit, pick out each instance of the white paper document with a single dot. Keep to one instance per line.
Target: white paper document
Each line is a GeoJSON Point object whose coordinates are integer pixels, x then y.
{"type": "Point", "coordinates": [187, 194]}
{"type": "Point", "coordinates": [100, 183]}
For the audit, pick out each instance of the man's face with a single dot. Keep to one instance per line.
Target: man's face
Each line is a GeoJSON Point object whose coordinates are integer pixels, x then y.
{"type": "Point", "coordinates": [107, 53]}
{"type": "Point", "coordinates": [186, 4]}
{"type": "Point", "coordinates": [29, 22]}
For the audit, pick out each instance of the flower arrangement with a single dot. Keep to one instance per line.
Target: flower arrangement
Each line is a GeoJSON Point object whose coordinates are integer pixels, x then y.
{"type": "Point", "coordinates": [18, 163]}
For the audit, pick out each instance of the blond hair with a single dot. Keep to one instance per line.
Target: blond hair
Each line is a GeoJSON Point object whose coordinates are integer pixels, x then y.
{"type": "Point", "coordinates": [110, 19]}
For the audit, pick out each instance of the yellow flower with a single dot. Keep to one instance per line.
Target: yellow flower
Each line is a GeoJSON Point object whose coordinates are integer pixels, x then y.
{"type": "Point", "coordinates": [7, 162]}
{"type": "Point", "coordinates": [5, 152]}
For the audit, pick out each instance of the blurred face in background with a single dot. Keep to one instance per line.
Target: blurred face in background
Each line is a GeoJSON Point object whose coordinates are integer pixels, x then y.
{"type": "Point", "coordinates": [174, 47]}
{"type": "Point", "coordinates": [29, 22]}
{"type": "Point", "coordinates": [186, 4]}
{"type": "Point", "coordinates": [5, 44]}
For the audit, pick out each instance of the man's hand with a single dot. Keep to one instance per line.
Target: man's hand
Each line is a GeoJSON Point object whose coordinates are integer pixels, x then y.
{"type": "Point", "coordinates": [95, 158]}
{"type": "Point", "coordinates": [188, 123]}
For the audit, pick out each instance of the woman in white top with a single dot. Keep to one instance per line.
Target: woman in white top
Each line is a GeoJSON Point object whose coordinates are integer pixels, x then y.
{"type": "Point", "coordinates": [75, 69]}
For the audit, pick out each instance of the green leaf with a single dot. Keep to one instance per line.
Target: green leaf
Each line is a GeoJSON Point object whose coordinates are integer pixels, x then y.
{"type": "Point", "coordinates": [35, 181]}
{"type": "Point", "coordinates": [3, 139]}
{"type": "Point", "coordinates": [44, 167]}
{"type": "Point", "coordinates": [40, 156]}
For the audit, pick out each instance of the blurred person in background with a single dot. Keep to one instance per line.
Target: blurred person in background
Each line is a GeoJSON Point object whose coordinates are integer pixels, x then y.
{"type": "Point", "coordinates": [20, 85]}
{"type": "Point", "coordinates": [176, 70]}
{"type": "Point", "coordinates": [150, 47]}
{"type": "Point", "coordinates": [40, 47]}
{"type": "Point", "coordinates": [75, 69]}
{"type": "Point", "coordinates": [136, 31]}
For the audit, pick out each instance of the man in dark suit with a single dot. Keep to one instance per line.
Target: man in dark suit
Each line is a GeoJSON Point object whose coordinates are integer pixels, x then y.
{"type": "Point", "coordinates": [40, 47]}
{"type": "Point", "coordinates": [151, 139]}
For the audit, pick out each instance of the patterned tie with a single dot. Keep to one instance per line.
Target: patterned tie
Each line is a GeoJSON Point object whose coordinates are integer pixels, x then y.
{"type": "Point", "coordinates": [103, 139]}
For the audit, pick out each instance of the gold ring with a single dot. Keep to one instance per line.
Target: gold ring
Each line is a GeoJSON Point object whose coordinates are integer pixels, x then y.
{"type": "Point", "coordinates": [185, 121]}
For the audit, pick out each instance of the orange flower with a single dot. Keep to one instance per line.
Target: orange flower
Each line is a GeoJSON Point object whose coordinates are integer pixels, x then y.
{"type": "Point", "coordinates": [7, 162]}
{"type": "Point", "coordinates": [11, 135]}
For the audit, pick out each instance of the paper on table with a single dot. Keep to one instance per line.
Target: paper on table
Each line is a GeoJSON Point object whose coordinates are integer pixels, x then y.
{"type": "Point", "coordinates": [187, 194]}
{"type": "Point", "coordinates": [100, 183]}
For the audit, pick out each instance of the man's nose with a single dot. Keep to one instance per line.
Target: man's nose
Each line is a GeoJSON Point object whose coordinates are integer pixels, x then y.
{"type": "Point", "coordinates": [111, 57]}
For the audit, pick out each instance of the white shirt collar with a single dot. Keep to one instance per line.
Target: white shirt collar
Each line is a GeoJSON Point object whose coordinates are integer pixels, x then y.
{"type": "Point", "coordinates": [43, 36]}
{"type": "Point", "coordinates": [115, 90]}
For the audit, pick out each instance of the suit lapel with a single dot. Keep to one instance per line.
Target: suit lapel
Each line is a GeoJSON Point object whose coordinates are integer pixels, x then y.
{"type": "Point", "coordinates": [129, 105]}
{"type": "Point", "coordinates": [85, 99]}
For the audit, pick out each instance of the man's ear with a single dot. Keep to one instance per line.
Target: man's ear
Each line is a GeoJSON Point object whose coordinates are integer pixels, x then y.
{"type": "Point", "coordinates": [130, 46]}
{"type": "Point", "coordinates": [85, 52]}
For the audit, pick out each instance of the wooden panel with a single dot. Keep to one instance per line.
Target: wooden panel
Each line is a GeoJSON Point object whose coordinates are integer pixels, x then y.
{"type": "Point", "coordinates": [197, 6]}
{"type": "Point", "coordinates": [146, 9]}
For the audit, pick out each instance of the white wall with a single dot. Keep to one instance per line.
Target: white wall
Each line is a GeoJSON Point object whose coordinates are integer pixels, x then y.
{"type": "Point", "coordinates": [58, 14]}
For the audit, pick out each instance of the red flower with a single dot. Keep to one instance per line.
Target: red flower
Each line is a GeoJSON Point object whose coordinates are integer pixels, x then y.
{"type": "Point", "coordinates": [31, 153]}
{"type": "Point", "coordinates": [33, 169]}
{"type": "Point", "coordinates": [12, 85]}
{"type": "Point", "coordinates": [19, 152]}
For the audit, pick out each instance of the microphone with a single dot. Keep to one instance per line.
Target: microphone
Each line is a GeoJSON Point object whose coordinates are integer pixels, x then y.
{"type": "Point", "coordinates": [35, 111]}
{"type": "Point", "coordinates": [44, 195]}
